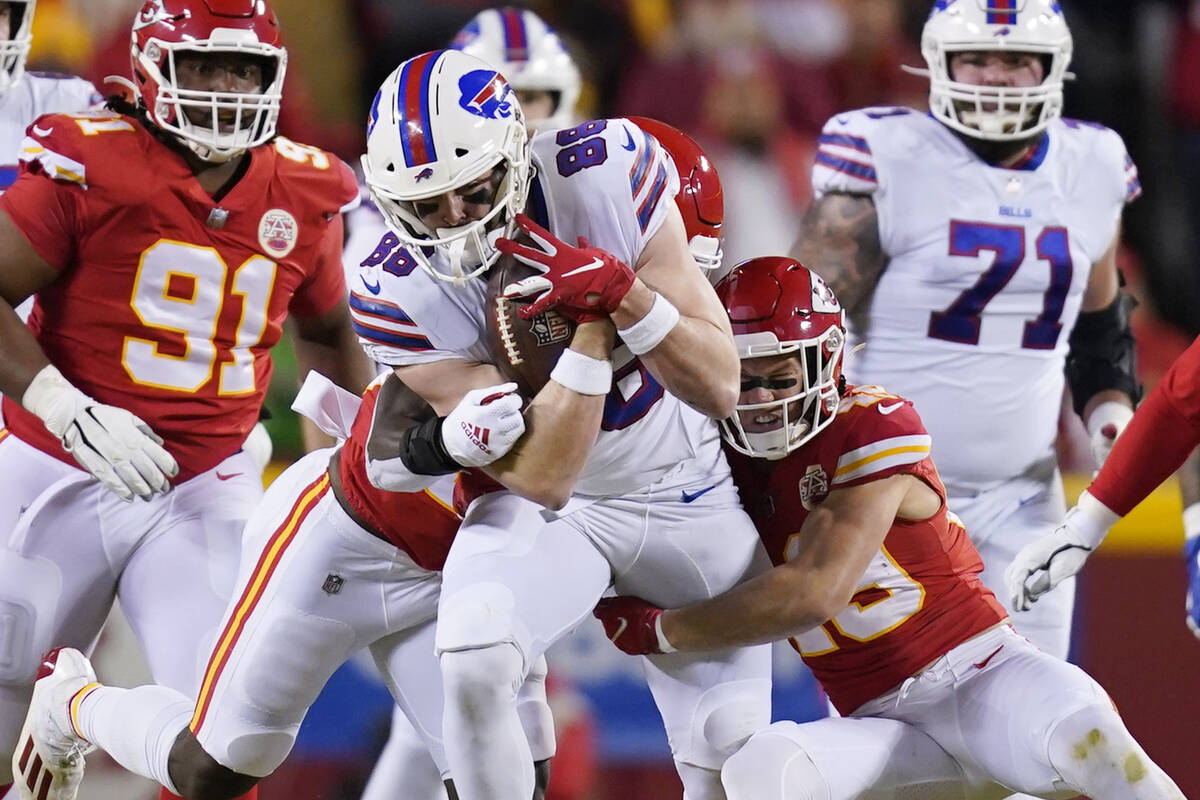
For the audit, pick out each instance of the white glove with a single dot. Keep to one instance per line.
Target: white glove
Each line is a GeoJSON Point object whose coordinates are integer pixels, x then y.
{"type": "Point", "coordinates": [484, 425]}
{"type": "Point", "coordinates": [1105, 424]}
{"type": "Point", "coordinates": [1048, 561]}
{"type": "Point", "coordinates": [118, 448]}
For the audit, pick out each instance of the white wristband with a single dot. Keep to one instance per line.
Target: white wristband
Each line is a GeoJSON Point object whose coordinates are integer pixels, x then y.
{"type": "Point", "coordinates": [663, 645]}
{"type": "Point", "coordinates": [1191, 521]}
{"type": "Point", "coordinates": [582, 374]}
{"type": "Point", "coordinates": [645, 334]}
{"type": "Point", "coordinates": [1094, 519]}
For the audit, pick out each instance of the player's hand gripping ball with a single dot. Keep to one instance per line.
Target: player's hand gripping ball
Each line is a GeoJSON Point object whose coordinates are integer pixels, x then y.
{"type": "Point", "coordinates": [524, 350]}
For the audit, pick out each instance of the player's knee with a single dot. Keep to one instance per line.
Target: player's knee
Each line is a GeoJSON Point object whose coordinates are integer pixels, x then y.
{"type": "Point", "coordinates": [767, 766]}
{"type": "Point", "coordinates": [729, 714]}
{"type": "Point", "coordinates": [475, 616]}
{"type": "Point", "coordinates": [481, 678]}
{"type": "Point", "coordinates": [1094, 753]}
{"type": "Point", "coordinates": [198, 776]}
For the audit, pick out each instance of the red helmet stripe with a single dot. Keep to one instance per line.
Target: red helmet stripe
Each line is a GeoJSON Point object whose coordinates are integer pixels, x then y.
{"type": "Point", "coordinates": [416, 137]}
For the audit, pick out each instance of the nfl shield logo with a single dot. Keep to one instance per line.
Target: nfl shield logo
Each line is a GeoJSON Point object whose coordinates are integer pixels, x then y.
{"type": "Point", "coordinates": [333, 584]}
{"type": "Point", "coordinates": [549, 327]}
{"type": "Point", "coordinates": [485, 94]}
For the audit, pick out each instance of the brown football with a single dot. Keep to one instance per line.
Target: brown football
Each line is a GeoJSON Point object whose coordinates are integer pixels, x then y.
{"type": "Point", "coordinates": [525, 350]}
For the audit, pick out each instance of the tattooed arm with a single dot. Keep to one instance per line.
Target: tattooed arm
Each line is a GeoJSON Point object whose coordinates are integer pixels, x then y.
{"type": "Point", "coordinates": [839, 240]}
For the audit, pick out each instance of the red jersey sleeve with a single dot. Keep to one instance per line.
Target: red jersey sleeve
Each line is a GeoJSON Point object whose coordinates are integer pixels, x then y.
{"type": "Point", "coordinates": [1143, 456]}
{"type": "Point", "coordinates": [886, 437]}
{"type": "Point", "coordinates": [47, 201]}
{"type": "Point", "coordinates": [325, 285]}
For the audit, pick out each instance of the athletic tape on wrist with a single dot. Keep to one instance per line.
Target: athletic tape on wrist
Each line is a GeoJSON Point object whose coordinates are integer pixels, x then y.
{"type": "Point", "coordinates": [582, 374]}
{"type": "Point", "coordinates": [1108, 412]}
{"type": "Point", "coordinates": [645, 334]}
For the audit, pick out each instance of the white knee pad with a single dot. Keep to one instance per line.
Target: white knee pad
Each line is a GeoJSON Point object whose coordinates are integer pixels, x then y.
{"type": "Point", "coordinates": [1094, 754]}
{"type": "Point", "coordinates": [727, 715]}
{"type": "Point", "coordinates": [534, 710]}
{"type": "Point", "coordinates": [476, 616]}
{"type": "Point", "coordinates": [771, 767]}
{"type": "Point", "coordinates": [482, 677]}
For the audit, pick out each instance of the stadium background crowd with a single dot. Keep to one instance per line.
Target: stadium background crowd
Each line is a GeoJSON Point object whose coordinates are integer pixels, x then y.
{"type": "Point", "coordinates": [753, 81]}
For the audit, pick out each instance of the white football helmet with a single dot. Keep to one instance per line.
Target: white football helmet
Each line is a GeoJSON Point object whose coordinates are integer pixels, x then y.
{"type": "Point", "coordinates": [164, 29]}
{"type": "Point", "coordinates": [1022, 26]}
{"type": "Point", "coordinates": [439, 122]}
{"type": "Point", "coordinates": [529, 54]}
{"type": "Point", "coordinates": [15, 49]}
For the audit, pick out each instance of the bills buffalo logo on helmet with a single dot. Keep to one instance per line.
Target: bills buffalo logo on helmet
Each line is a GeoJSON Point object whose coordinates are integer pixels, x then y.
{"type": "Point", "coordinates": [485, 94]}
{"type": "Point", "coordinates": [425, 173]}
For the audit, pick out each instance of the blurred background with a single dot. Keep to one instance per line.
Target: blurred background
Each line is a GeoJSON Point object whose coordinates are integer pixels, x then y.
{"type": "Point", "coordinates": [753, 81]}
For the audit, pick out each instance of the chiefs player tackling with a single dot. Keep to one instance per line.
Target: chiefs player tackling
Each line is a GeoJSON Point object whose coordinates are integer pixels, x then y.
{"type": "Point", "coordinates": [878, 586]}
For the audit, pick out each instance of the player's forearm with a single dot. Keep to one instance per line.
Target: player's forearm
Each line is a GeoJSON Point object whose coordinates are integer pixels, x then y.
{"type": "Point", "coordinates": [560, 429]}
{"type": "Point", "coordinates": [21, 357]}
{"type": "Point", "coordinates": [696, 361]}
{"type": "Point", "coordinates": [336, 355]}
{"type": "Point", "coordinates": [561, 426]}
{"type": "Point", "coordinates": [770, 607]}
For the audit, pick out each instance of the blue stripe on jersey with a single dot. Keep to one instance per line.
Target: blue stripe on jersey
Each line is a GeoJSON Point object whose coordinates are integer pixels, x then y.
{"type": "Point", "coordinates": [537, 203]}
{"type": "Point", "coordinates": [845, 140]}
{"type": "Point", "coordinates": [414, 342]}
{"type": "Point", "coordinates": [8, 175]}
{"type": "Point", "coordinates": [853, 168]}
{"type": "Point", "coordinates": [645, 157]}
{"type": "Point", "coordinates": [651, 201]}
{"type": "Point", "coordinates": [379, 309]}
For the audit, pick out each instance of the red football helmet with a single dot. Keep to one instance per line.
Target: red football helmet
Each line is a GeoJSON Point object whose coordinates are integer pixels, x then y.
{"type": "Point", "coordinates": [778, 307]}
{"type": "Point", "coordinates": [165, 28]}
{"type": "Point", "coordinates": [699, 199]}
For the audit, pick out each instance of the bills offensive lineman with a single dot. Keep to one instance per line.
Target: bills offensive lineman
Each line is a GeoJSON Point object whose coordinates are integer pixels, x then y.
{"type": "Point", "coordinates": [449, 164]}
{"type": "Point", "coordinates": [975, 250]}
{"type": "Point", "coordinates": [877, 584]}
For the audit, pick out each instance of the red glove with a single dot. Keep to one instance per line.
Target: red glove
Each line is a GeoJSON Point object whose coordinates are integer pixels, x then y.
{"type": "Point", "coordinates": [630, 623]}
{"type": "Point", "coordinates": [584, 283]}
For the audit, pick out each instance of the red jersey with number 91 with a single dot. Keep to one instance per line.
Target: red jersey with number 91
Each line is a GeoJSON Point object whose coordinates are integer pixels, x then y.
{"type": "Point", "coordinates": [167, 302]}
{"type": "Point", "coordinates": [921, 594]}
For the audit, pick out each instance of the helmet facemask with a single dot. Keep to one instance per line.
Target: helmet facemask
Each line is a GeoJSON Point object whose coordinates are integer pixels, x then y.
{"type": "Point", "coordinates": [194, 116]}
{"type": "Point", "coordinates": [15, 49]}
{"type": "Point", "coordinates": [803, 413]}
{"type": "Point", "coordinates": [995, 113]}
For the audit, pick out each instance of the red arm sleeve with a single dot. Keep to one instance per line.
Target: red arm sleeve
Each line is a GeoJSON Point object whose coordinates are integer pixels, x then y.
{"type": "Point", "coordinates": [1165, 429]}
